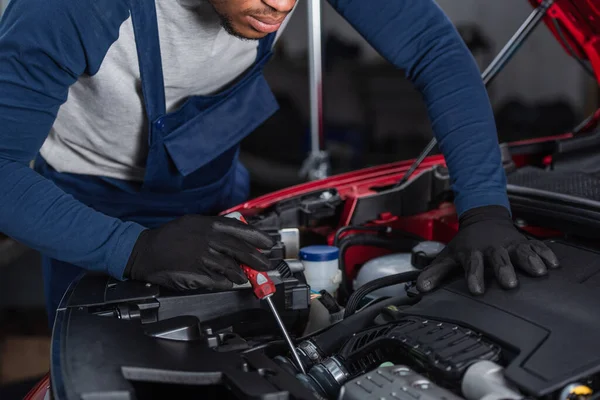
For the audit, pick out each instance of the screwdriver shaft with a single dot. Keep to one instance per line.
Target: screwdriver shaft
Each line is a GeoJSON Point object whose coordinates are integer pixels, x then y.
{"type": "Point", "coordinates": [285, 334]}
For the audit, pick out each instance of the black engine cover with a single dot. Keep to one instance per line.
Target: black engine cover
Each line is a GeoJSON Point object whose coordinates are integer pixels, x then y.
{"type": "Point", "coordinates": [122, 340]}
{"type": "Point", "coordinates": [549, 327]}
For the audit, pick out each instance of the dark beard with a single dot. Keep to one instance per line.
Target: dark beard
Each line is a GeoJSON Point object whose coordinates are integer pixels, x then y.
{"type": "Point", "coordinates": [228, 26]}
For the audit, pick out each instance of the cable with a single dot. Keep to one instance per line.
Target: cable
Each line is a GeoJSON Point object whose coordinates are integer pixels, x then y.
{"type": "Point", "coordinates": [386, 281]}
{"type": "Point", "coordinates": [371, 228]}
{"type": "Point", "coordinates": [389, 243]}
{"type": "Point", "coordinates": [372, 303]}
{"type": "Point", "coordinates": [342, 230]}
{"type": "Point", "coordinates": [570, 49]}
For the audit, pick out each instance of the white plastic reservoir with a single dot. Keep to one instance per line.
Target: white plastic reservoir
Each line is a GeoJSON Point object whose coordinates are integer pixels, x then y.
{"type": "Point", "coordinates": [420, 257]}
{"type": "Point", "coordinates": [385, 266]}
{"type": "Point", "coordinates": [321, 267]}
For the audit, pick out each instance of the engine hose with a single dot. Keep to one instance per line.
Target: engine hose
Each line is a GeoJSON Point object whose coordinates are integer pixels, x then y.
{"type": "Point", "coordinates": [334, 337]}
{"type": "Point", "coordinates": [342, 230]}
{"type": "Point", "coordinates": [395, 244]}
{"type": "Point", "coordinates": [371, 228]}
{"type": "Point", "coordinates": [386, 281]}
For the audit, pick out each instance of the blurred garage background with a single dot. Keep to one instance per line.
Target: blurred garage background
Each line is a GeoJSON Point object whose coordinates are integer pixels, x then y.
{"type": "Point", "coordinates": [372, 116]}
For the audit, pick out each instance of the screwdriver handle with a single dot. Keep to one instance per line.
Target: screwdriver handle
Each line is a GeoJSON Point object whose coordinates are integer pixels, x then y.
{"type": "Point", "coordinates": [261, 283]}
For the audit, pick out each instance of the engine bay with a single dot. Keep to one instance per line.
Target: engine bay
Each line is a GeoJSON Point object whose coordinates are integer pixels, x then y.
{"type": "Point", "coordinates": [372, 335]}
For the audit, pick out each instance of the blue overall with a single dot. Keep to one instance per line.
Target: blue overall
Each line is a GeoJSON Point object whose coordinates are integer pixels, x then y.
{"type": "Point", "coordinates": [192, 165]}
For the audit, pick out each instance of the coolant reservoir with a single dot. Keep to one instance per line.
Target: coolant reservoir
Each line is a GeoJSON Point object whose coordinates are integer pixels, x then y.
{"type": "Point", "coordinates": [321, 267]}
{"type": "Point", "coordinates": [393, 264]}
{"type": "Point", "coordinates": [384, 266]}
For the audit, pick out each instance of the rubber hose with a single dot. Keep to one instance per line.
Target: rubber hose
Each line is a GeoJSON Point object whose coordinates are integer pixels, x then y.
{"type": "Point", "coordinates": [344, 229]}
{"type": "Point", "coordinates": [381, 229]}
{"type": "Point", "coordinates": [333, 338]}
{"type": "Point", "coordinates": [395, 244]}
{"type": "Point", "coordinates": [386, 281]}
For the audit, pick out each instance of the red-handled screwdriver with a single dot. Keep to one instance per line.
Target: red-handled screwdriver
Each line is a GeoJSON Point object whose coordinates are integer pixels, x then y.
{"type": "Point", "coordinates": [264, 288]}
{"type": "Point", "coordinates": [261, 283]}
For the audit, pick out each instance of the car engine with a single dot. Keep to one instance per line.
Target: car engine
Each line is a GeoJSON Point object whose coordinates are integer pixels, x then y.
{"type": "Point", "coordinates": [540, 341]}
{"type": "Point", "coordinates": [373, 337]}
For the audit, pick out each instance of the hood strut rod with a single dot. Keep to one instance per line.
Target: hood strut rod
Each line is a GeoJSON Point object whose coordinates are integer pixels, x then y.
{"type": "Point", "coordinates": [493, 70]}
{"type": "Point", "coordinates": [316, 166]}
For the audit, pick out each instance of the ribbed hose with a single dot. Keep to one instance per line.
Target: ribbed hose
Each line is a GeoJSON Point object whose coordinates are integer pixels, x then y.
{"type": "Point", "coordinates": [360, 228]}
{"type": "Point", "coordinates": [386, 281]}
{"type": "Point", "coordinates": [399, 244]}
{"type": "Point", "coordinates": [333, 338]}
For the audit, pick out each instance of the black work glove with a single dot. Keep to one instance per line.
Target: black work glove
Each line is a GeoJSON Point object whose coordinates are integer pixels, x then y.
{"type": "Point", "coordinates": [194, 252]}
{"type": "Point", "coordinates": [488, 238]}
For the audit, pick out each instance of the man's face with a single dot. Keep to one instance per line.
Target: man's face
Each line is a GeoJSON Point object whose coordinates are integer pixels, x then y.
{"type": "Point", "coordinates": [252, 19]}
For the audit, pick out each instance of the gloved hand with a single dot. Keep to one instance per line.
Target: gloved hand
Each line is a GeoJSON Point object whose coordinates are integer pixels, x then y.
{"type": "Point", "coordinates": [488, 238]}
{"type": "Point", "coordinates": [198, 252]}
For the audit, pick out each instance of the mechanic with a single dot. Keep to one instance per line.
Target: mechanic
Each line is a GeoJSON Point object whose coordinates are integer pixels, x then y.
{"type": "Point", "coordinates": [133, 111]}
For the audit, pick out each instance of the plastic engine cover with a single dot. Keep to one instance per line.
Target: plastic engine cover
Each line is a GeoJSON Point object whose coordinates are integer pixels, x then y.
{"type": "Point", "coordinates": [123, 340]}
{"type": "Point", "coordinates": [548, 327]}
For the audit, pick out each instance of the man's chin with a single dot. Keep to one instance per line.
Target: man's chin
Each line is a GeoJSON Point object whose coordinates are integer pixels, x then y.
{"type": "Point", "coordinates": [249, 35]}
{"type": "Point", "coordinates": [245, 33]}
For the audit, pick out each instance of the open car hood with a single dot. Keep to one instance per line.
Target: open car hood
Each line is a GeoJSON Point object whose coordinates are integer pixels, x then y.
{"type": "Point", "coordinates": [576, 25]}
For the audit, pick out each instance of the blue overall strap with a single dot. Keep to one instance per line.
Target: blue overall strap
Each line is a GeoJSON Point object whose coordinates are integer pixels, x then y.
{"type": "Point", "coordinates": [145, 27]}
{"type": "Point", "coordinates": [265, 45]}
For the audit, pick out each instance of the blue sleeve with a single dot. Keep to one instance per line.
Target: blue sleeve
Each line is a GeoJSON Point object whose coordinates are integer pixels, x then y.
{"type": "Point", "coordinates": [418, 38]}
{"type": "Point", "coordinates": [45, 45]}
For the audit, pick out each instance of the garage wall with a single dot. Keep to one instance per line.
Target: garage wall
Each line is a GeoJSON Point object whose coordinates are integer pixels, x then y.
{"type": "Point", "coordinates": [541, 70]}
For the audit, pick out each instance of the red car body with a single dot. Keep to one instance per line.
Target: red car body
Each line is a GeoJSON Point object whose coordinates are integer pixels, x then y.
{"type": "Point", "coordinates": [579, 21]}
